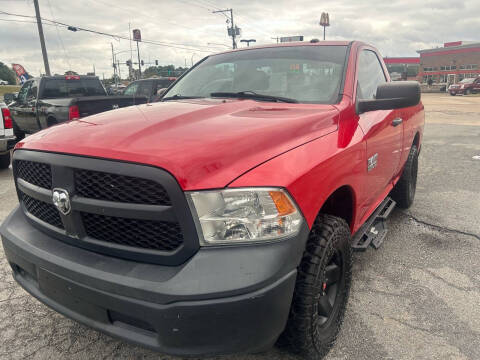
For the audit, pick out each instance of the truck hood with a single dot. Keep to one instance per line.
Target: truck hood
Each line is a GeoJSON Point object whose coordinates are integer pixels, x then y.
{"type": "Point", "coordinates": [205, 143]}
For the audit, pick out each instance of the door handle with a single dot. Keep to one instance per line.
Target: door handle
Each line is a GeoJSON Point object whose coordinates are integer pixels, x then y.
{"type": "Point", "coordinates": [397, 121]}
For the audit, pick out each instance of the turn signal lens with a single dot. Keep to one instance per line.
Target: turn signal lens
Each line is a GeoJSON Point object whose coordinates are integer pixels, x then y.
{"type": "Point", "coordinates": [283, 204]}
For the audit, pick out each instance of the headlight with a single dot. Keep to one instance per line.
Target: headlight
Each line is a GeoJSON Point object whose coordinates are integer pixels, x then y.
{"type": "Point", "coordinates": [245, 215]}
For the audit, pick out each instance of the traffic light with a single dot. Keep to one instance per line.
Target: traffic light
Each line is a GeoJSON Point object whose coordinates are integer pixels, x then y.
{"type": "Point", "coordinates": [156, 62]}
{"type": "Point", "coordinates": [141, 62]}
{"type": "Point", "coordinates": [129, 63]}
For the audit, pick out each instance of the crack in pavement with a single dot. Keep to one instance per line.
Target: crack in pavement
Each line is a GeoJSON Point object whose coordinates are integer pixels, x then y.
{"type": "Point", "coordinates": [439, 227]}
{"type": "Point", "coordinates": [404, 323]}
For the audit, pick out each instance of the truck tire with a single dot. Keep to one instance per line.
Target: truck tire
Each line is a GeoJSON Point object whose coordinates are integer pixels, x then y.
{"type": "Point", "coordinates": [19, 134]}
{"type": "Point", "coordinates": [322, 289]}
{"type": "Point", "coordinates": [5, 160]}
{"type": "Point", "coordinates": [404, 191]}
{"type": "Point", "coordinates": [51, 121]}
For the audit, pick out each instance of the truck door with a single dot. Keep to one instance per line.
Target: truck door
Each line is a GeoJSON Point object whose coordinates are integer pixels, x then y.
{"type": "Point", "coordinates": [145, 88]}
{"type": "Point", "coordinates": [476, 86]}
{"type": "Point", "coordinates": [19, 107]}
{"type": "Point", "coordinates": [383, 129]}
{"type": "Point", "coordinates": [30, 114]}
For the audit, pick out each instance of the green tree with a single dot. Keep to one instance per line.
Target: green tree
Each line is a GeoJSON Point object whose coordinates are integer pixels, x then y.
{"type": "Point", "coordinates": [168, 70]}
{"type": "Point", "coordinates": [7, 74]}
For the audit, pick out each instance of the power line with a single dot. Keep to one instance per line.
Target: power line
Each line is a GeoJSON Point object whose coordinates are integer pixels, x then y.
{"type": "Point", "coordinates": [117, 37]}
{"type": "Point", "coordinates": [215, 7]}
{"type": "Point", "coordinates": [195, 4]}
{"type": "Point", "coordinates": [143, 14]}
{"type": "Point", "coordinates": [59, 37]}
{"type": "Point", "coordinates": [24, 21]}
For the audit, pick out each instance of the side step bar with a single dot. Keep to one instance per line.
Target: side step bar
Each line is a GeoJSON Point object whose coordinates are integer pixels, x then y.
{"type": "Point", "coordinates": [373, 232]}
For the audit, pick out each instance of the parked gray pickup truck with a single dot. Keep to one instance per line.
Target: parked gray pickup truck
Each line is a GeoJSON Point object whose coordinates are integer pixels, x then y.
{"type": "Point", "coordinates": [49, 100]}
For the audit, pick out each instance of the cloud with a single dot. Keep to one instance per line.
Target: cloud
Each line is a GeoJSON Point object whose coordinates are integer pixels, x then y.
{"type": "Point", "coordinates": [396, 28]}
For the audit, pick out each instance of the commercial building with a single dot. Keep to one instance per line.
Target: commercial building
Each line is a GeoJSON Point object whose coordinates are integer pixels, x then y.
{"type": "Point", "coordinates": [451, 63]}
{"type": "Point", "coordinates": [403, 68]}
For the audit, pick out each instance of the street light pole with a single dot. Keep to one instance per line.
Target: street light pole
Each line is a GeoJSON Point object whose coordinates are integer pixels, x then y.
{"type": "Point", "coordinates": [248, 41]}
{"type": "Point", "coordinates": [42, 39]}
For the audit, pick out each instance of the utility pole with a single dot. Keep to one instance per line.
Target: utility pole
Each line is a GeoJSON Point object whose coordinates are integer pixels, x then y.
{"type": "Point", "coordinates": [130, 41]}
{"type": "Point", "coordinates": [233, 31]}
{"type": "Point", "coordinates": [42, 39]}
{"type": "Point", "coordinates": [137, 36]}
{"type": "Point", "coordinates": [118, 67]}
{"type": "Point", "coordinates": [234, 44]}
{"type": "Point", "coordinates": [114, 68]}
{"type": "Point", "coordinates": [139, 63]}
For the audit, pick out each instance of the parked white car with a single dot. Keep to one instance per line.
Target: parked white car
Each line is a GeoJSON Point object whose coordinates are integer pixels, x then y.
{"type": "Point", "coordinates": [3, 82]}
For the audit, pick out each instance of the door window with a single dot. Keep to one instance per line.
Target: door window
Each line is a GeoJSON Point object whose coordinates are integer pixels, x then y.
{"type": "Point", "coordinates": [65, 88]}
{"type": "Point", "coordinates": [370, 75]}
{"type": "Point", "coordinates": [145, 89]}
{"type": "Point", "coordinates": [131, 89]}
{"type": "Point", "coordinates": [22, 94]}
{"type": "Point", "coordinates": [32, 91]}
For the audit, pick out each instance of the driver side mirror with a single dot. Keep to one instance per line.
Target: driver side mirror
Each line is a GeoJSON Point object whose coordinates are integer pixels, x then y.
{"type": "Point", "coordinates": [9, 97]}
{"type": "Point", "coordinates": [160, 92]}
{"type": "Point", "coordinates": [392, 95]}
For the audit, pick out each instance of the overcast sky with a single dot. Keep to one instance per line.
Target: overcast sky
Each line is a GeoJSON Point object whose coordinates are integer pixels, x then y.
{"type": "Point", "coordinates": [395, 27]}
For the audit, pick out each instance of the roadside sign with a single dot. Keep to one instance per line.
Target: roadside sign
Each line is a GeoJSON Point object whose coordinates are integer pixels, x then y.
{"type": "Point", "coordinates": [291, 38]}
{"type": "Point", "coordinates": [21, 73]}
{"type": "Point", "coordinates": [137, 36]}
{"type": "Point", "coordinates": [324, 19]}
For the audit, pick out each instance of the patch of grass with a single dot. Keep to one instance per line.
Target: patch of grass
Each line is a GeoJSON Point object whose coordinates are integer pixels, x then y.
{"type": "Point", "coordinates": [8, 89]}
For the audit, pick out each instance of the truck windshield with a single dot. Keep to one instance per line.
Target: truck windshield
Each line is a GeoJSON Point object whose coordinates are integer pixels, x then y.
{"type": "Point", "coordinates": [63, 88]}
{"type": "Point", "coordinates": [308, 74]}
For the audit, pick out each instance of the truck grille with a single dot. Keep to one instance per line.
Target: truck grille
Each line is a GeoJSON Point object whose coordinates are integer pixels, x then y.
{"type": "Point", "coordinates": [147, 234]}
{"type": "Point", "coordinates": [45, 212]}
{"type": "Point", "coordinates": [120, 188]}
{"type": "Point", "coordinates": [35, 173]}
{"type": "Point", "coordinates": [113, 203]}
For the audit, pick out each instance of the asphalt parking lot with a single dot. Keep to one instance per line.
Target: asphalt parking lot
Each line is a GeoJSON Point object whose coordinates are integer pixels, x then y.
{"type": "Point", "coordinates": [417, 297]}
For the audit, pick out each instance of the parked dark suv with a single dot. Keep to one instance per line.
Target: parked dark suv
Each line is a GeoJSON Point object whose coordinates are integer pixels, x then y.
{"type": "Point", "coordinates": [148, 87]}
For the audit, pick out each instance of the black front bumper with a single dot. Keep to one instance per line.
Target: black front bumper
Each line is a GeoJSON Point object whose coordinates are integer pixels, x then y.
{"type": "Point", "coordinates": [222, 300]}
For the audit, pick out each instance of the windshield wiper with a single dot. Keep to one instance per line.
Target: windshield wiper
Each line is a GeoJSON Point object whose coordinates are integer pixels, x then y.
{"type": "Point", "coordinates": [180, 97]}
{"type": "Point", "coordinates": [252, 95]}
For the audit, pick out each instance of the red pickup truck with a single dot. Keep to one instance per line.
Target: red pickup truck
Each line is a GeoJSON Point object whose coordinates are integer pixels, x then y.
{"type": "Point", "coordinates": [223, 218]}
